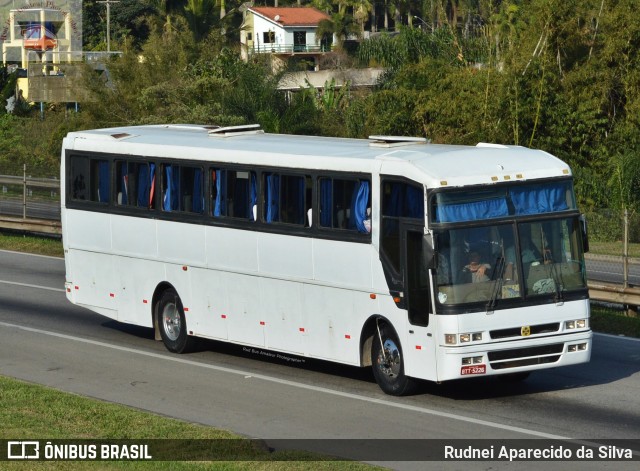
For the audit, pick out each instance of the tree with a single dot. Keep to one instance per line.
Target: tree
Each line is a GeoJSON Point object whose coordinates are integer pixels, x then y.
{"type": "Point", "coordinates": [200, 16]}
{"type": "Point", "coordinates": [341, 25]}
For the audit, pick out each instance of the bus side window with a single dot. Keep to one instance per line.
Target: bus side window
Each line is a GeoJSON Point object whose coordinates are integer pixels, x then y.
{"type": "Point", "coordinates": [182, 189]}
{"type": "Point", "coordinates": [91, 179]}
{"type": "Point", "coordinates": [399, 200]}
{"type": "Point", "coordinates": [285, 199]}
{"type": "Point", "coordinates": [132, 184]}
{"type": "Point", "coordinates": [170, 183]}
{"type": "Point", "coordinates": [80, 178]}
{"type": "Point", "coordinates": [233, 194]}
{"type": "Point", "coordinates": [345, 204]}
{"type": "Point", "coordinates": [191, 197]}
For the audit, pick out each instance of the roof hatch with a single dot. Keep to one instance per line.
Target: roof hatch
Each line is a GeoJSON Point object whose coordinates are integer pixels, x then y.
{"type": "Point", "coordinates": [396, 141]}
{"type": "Point", "coordinates": [230, 131]}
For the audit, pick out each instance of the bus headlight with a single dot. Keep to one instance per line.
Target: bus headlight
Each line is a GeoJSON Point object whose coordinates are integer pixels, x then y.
{"type": "Point", "coordinates": [472, 360]}
{"type": "Point", "coordinates": [578, 347]}
{"type": "Point", "coordinates": [576, 324]}
{"type": "Point", "coordinates": [453, 339]}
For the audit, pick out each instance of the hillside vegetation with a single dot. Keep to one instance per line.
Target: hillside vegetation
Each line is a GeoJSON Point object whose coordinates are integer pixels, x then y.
{"type": "Point", "coordinates": [559, 76]}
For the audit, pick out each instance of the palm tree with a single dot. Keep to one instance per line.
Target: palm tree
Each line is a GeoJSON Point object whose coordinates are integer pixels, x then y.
{"type": "Point", "coordinates": [167, 8]}
{"type": "Point", "coordinates": [201, 17]}
{"type": "Point", "coordinates": [361, 12]}
{"type": "Point", "coordinates": [340, 26]}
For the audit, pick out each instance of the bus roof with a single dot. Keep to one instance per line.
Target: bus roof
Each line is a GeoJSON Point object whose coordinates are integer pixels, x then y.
{"type": "Point", "coordinates": [434, 165]}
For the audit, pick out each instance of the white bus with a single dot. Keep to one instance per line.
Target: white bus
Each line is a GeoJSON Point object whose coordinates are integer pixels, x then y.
{"type": "Point", "coordinates": [424, 261]}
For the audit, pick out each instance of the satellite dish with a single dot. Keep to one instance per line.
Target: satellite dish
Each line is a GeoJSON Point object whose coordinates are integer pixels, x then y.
{"type": "Point", "coordinates": [277, 18]}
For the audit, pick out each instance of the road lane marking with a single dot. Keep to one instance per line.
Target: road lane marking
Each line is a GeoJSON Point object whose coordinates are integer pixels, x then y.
{"type": "Point", "coordinates": [13, 252]}
{"type": "Point", "coordinates": [27, 285]}
{"type": "Point", "coordinates": [272, 379]}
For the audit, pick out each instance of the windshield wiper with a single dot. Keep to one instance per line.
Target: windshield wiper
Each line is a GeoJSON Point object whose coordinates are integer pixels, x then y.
{"type": "Point", "coordinates": [497, 284]}
{"type": "Point", "coordinates": [557, 282]}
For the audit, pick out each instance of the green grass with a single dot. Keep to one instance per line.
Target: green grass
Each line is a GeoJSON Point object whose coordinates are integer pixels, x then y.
{"type": "Point", "coordinates": [614, 321]}
{"type": "Point", "coordinates": [613, 248]}
{"type": "Point", "coordinates": [31, 244]}
{"type": "Point", "coordinates": [29, 411]}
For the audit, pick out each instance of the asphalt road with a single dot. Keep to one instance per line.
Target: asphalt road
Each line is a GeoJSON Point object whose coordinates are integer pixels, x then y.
{"type": "Point", "coordinates": [46, 340]}
{"type": "Point", "coordinates": [38, 209]}
{"type": "Point", "coordinates": [610, 270]}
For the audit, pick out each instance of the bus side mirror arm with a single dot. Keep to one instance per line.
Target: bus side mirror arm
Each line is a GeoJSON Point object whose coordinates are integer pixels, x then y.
{"type": "Point", "coordinates": [585, 235]}
{"type": "Point", "coordinates": [429, 251]}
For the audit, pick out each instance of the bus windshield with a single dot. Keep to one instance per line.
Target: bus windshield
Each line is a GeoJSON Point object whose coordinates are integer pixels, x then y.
{"type": "Point", "coordinates": [516, 260]}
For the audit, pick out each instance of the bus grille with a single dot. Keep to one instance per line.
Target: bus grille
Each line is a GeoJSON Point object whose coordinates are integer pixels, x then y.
{"type": "Point", "coordinates": [516, 331]}
{"type": "Point", "coordinates": [516, 357]}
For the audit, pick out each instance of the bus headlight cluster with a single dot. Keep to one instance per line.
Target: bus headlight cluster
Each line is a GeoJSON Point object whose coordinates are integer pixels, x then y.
{"type": "Point", "coordinates": [452, 339]}
{"type": "Point", "coordinates": [576, 324]}
{"type": "Point", "coordinates": [472, 360]}
{"type": "Point", "coordinates": [577, 347]}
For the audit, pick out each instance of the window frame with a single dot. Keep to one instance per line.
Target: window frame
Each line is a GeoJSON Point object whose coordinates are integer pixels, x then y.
{"type": "Point", "coordinates": [311, 176]}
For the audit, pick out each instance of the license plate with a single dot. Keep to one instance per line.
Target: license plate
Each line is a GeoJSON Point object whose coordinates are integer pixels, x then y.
{"type": "Point", "coordinates": [473, 370]}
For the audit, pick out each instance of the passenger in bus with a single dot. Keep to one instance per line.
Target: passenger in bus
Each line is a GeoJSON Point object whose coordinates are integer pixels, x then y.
{"type": "Point", "coordinates": [476, 268]}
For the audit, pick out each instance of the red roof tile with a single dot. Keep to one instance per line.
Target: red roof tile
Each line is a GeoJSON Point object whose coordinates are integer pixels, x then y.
{"type": "Point", "coordinates": [292, 16]}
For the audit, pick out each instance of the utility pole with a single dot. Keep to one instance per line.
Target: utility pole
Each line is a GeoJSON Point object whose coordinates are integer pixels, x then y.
{"type": "Point", "coordinates": [108, 3]}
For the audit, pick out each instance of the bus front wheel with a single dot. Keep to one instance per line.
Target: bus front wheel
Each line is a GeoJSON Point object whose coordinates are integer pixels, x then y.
{"type": "Point", "coordinates": [172, 323]}
{"type": "Point", "coordinates": [388, 363]}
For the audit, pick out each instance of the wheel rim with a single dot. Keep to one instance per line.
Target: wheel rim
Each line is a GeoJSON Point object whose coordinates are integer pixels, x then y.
{"type": "Point", "coordinates": [171, 321]}
{"type": "Point", "coordinates": [389, 359]}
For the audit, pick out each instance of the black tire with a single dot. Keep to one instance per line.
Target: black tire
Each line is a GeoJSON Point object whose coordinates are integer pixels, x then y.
{"type": "Point", "coordinates": [388, 367]}
{"type": "Point", "coordinates": [172, 323]}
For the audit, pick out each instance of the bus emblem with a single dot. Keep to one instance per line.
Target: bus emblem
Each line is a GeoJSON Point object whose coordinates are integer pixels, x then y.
{"type": "Point", "coordinates": [525, 331]}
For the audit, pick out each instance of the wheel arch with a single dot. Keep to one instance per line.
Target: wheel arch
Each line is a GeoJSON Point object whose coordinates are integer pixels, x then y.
{"type": "Point", "coordinates": [157, 294]}
{"type": "Point", "coordinates": [369, 331]}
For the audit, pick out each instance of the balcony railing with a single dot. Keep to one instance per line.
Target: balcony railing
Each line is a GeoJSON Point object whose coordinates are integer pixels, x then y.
{"type": "Point", "coordinates": [289, 49]}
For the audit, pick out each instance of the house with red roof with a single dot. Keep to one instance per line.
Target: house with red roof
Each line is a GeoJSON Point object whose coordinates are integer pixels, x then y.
{"type": "Point", "coordinates": [283, 33]}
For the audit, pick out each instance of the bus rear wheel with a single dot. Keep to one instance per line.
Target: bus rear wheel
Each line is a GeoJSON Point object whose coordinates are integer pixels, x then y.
{"type": "Point", "coordinates": [388, 363]}
{"type": "Point", "coordinates": [172, 323]}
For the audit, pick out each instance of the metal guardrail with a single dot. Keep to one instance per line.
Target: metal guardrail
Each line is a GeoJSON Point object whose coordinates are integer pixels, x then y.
{"type": "Point", "coordinates": [30, 182]}
{"type": "Point", "coordinates": [37, 226]}
{"type": "Point", "coordinates": [24, 196]}
{"type": "Point", "coordinates": [615, 294]}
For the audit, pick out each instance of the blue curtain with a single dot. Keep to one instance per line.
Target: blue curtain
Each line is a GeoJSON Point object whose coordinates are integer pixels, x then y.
{"type": "Point", "coordinates": [542, 199]}
{"type": "Point", "coordinates": [272, 197]}
{"type": "Point", "coordinates": [326, 202]}
{"type": "Point", "coordinates": [170, 200]}
{"type": "Point", "coordinates": [103, 181]}
{"type": "Point", "coordinates": [414, 203]}
{"type": "Point", "coordinates": [198, 201]}
{"type": "Point", "coordinates": [166, 200]}
{"type": "Point", "coordinates": [394, 202]}
{"type": "Point", "coordinates": [220, 207]}
{"type": "Point", "coordinates": [476, 210]}
{"type": "Point", "coordinates": [359, 206]}
{"type": "Point", "coordinates": [143, 186]}
{"type": "Point", "coordinates": [405, 201]}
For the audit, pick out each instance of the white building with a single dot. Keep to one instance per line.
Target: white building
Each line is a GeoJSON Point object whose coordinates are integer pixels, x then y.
{"type": "Point", "coordinates": [283, 33]}
{"type": "Point", "coordinates": [59, 31]}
